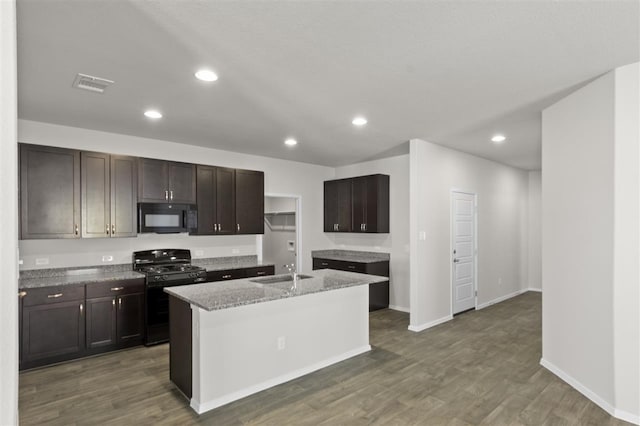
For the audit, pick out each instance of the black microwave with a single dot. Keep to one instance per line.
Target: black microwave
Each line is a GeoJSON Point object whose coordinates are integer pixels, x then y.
{"type": "Point", "coordinates": [163, 218]}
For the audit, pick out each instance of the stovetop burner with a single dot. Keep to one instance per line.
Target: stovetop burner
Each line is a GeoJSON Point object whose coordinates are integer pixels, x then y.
{"type": "Point", "coordinates": [169, 269]}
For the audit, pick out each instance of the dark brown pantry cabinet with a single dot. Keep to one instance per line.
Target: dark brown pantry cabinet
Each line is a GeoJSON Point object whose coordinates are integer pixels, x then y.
{"type": "Point", "coordinates": [162, 181]}
{"type": "Point", "coordinates": [216, 200]}
{"type": "Point", "coordinates": [249, 202]}
{"type": "Point", "coordinates": [115, 312]}
{"type": "Point", "coordinates": [359, 204]}
{"type": "Point", "coordinates": [49, 192]}
{"type": "Point", "coordinates": [109, 195]}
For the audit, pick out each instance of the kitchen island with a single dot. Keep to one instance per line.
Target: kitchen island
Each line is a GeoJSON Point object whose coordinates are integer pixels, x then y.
{"type": "Point", "coordinates": [231, 339]}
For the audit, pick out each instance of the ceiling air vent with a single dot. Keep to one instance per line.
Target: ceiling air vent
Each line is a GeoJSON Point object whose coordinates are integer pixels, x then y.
{"type": "Point", "coordinates": [94, 84]}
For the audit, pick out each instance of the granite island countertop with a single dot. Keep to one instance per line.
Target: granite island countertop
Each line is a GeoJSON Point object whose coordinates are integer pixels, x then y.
{"type": "Point", "coordinates": [229, 294]}
{"type": "Point", "coordinates": [351, 255]}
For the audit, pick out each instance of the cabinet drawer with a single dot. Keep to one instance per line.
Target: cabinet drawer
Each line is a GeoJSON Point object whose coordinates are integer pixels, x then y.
{"type": "Point", "coordinates": [227, 274]}
{"type": "Point", "coordinates": [45, 295]}
{"type": "Point", "coordinates": [115, 288]}
{"type": "Point", "coordinates": [260, 271]}
{"type": "Point", "coordinates": [340, 265]}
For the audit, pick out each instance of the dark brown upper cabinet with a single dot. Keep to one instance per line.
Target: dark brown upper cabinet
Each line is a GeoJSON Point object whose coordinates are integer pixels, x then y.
{"type": "Point", "coordinates": [166, 182]}
{"type": "Point", "coordinates": [370, 204]}
{"type": "Point", "coordinates": [49, 192]}
{"type": "Point", "coordinates": [359, 204]}
{"type": "Point", "coordinates": [109, 195]}
{"type": "Point", "coordinates": [216, 200]}
{"type": "Point", "coordinates": [249, 202]}
{"type": "Point", "coordinates": [337, 205]}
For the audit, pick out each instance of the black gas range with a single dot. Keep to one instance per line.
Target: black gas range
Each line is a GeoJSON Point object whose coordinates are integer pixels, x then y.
{"type": "Point", "coordinates": [163, 268]}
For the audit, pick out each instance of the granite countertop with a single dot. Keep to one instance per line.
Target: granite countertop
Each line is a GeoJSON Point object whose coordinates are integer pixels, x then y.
{"type": "Point", "coordinates": [351, 255]}
{"type": "Point", "coordinates": [230, 262]}
{"type": "Point", "coordinates": [75, 276]}
{"type": "Point", "coordinates": [229, 294]}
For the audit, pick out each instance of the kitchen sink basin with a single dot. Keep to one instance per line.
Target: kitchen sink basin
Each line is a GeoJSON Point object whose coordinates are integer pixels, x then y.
{"type": "Point", "coordinates": [276, 279]}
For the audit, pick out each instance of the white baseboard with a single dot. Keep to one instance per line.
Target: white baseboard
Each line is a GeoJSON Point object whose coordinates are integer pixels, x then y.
{"type": "Point", "coordinates": [620, 414]}
{"type": "Point", "coordinates": [430, 324]}
{"type": "Point", "coordinates": [537, 290]}
{"type": "Point", "coordinates": [399, 308]}
{"type": "Point", "coordinates": [500, 299]}
{"type": "Point", "coordinates": [202, 407]}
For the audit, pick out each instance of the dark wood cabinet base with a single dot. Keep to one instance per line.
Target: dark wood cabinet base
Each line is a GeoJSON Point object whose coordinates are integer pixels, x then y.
{"type": "Point", "coordinates": [180, 369]}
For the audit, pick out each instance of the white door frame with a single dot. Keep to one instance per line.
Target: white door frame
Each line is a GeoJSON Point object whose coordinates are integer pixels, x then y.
{"type": "Point", "coordinates": [475, 245]}
{"type": "Point", "coordinates": [298, 198]}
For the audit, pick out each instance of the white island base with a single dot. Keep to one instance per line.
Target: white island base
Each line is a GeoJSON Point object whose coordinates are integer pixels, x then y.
{"type": "Point", "coordinates": [243, 350]}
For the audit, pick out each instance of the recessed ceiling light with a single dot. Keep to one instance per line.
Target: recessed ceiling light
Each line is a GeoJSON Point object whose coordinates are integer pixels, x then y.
{"type": "Point", "coordinates": [152, 113]}
{"type": "Point", "coordinates": [206, 75]}
{"type": "Point", "coordinates": [291, 142]}
{"type": "Point", "coordinates": [498, 138]}
{"type": "Point", "coordinates": [359, 121]}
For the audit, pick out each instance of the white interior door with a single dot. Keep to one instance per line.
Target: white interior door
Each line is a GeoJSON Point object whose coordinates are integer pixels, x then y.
{"type": "Point", "coordinates": [463, 216]}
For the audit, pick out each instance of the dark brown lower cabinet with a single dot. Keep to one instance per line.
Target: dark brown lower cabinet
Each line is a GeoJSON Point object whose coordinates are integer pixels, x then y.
{"type": "Point", "coordinates": [378, 292]}
{"type": "Point", "coordinates": [53, 325]}
{"type": "Point", "coordinates": [66, 322]}
{"type": "Point", "coordinates": [115, 312]}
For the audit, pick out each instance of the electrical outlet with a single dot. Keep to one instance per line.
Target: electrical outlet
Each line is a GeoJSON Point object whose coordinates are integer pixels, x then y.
{"type": "Point", "coordinates": [107, 258]}
{"type": "Point", "coordinates": [422, 236]}
{"type": "Point", "coordinates": [20, 262]}
{"type": "Point", "coordinates": [281, 343]}
{"type": "Point", "coordinates": [42, 261]}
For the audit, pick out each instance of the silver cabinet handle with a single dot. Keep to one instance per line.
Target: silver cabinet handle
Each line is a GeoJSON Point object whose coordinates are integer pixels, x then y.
{"type": "Point", "coordinates": [365, 226]}
{"type": "Point", "coordinates": [351, 266]}
{"type": "Point", "coordinates": [117, 288]}
{"type": "Point", "coordinates": [261, 272]}
{"type": "Point", "coordinates": [226, 276]}
{"type": "Point", "coordinates": [77, 229]}
{"type": "Point", "coordinates": [166, 195]}
{"type": "Point", "coordinates": [54, 296]}
{"type": "Point", "coordinates": [113, 302]}
{"type": "Point", "coordinates": [120, 303]}
{"type": "Point", "coordinates": [22, 293]}
{"type": "Point", "coordinates": [113, 229]}
{"type": "Point", "coordinates": [324, 264]}
{"type": "Point", "coordinates": [238, 227]}
{"type": "Point", "coordinates": [81, 308]}
{"type": "Point", "coordinates": [337, 226]}
{"type": "Point", "coordinates": [107, 228]}
{"type": "Point", "coordinates": [171, 195]}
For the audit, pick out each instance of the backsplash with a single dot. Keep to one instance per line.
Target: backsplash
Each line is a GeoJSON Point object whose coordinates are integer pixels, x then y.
{"type": "Point", "coordinates": [60, 253]}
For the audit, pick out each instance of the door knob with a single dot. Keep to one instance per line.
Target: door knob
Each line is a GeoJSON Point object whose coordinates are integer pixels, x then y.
{"type": "Point", "coordinates": [456, 260]}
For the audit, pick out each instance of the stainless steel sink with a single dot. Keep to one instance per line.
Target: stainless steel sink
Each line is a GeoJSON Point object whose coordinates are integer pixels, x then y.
{"type": "Point", "coordinates": [276, 279]}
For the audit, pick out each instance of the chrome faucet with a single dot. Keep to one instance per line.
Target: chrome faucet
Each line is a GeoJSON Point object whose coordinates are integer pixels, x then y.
{"type": "Point", "coordinates": [294, 275]}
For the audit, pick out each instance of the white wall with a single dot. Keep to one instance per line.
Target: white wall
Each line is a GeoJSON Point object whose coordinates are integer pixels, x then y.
{"type": "Point", "coordinates": [281, 177]}
{"type": "Point", "coordinates": [534, 232]}
{"type": "Point", "coordinates": [396, 242]}
{"type": "Point", "coordinates": [8, 217]}
{"type": "Point", "coordinates": [590, 241]}
{"type": "Point", "coordinates": [502, 228]}
{"type": "Point", "coordinates": [626, 292]}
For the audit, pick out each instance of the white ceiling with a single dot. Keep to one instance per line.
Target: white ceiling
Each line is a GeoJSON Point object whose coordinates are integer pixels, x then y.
{"type": "Point", "coordinates": [447, 72]}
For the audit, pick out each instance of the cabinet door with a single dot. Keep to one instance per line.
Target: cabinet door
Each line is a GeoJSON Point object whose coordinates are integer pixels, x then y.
{"type": "Point", "coordinates": [359, 203]}
{"type": "Point", "coordinates": [376, 203]}
{"type": "Point", "coordinates": [96, 221]}
{"type": "Point", "coordinates": [52, 332]}
{"type": "Point", "coordinates": [249, 202]}
{"type": "Point", "coordinates": [206, 200]}
{"type": "Point", "coordinates": [130, 318]}
{"type": "Point", "coordinates": [49, 192]}
{"type": "Point", "coordinates": [153, 181]}
{"type": "Point", "coordinates": [225, 200]}
{"type": "Point", "coordinates": [101, 322]}
{"type": "Point", "coordinates": [124, 196]}
{"type": "Point", "coordinates": [337, 205]}
{"type": "Point", "coordinates": [182, 183]}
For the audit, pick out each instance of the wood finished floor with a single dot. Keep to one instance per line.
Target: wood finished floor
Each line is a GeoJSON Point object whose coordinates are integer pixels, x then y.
{"type": "Point", "coordinates": [482, 368]}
